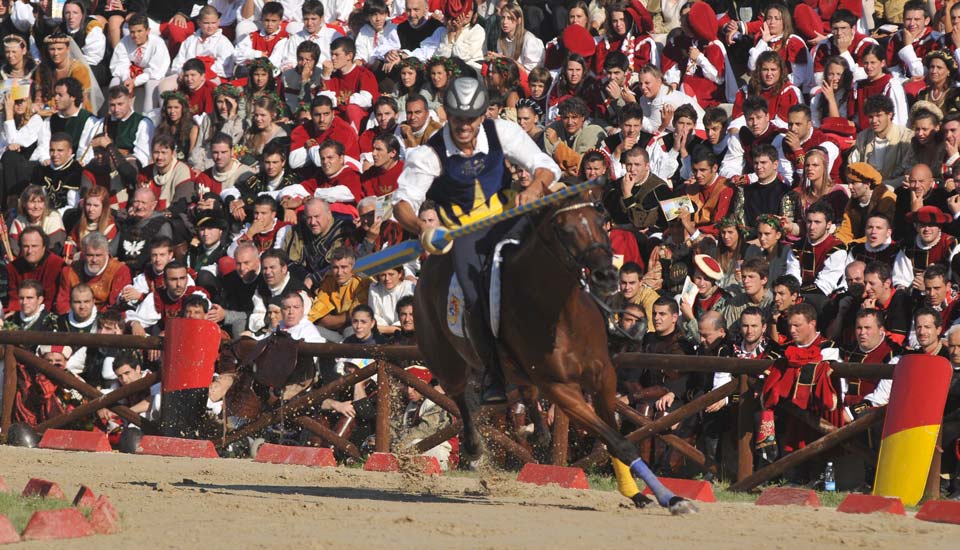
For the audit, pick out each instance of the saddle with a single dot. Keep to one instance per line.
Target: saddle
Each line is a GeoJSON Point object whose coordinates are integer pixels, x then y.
{"type": "Point", "coordinates": [491, 288]}
{"type": "Point", "coordinates": [274, 360]}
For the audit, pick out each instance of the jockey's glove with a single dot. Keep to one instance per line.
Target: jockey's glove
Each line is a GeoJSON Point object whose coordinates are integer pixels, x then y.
{"type": "Point", "coordinates": [427, 238]}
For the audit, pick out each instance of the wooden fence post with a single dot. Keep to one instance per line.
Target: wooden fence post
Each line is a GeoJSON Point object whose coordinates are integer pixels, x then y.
{"type": "Point", "coordinates": [744, 428]}
{"type": "Point", "coordinates": [932, 491]}
{"type": "Point", "coordinates": [9, 388]}
{"type": "Point", "coordinates": [561, 437]}
{"type": "Point", "coordinates": [383, 409]}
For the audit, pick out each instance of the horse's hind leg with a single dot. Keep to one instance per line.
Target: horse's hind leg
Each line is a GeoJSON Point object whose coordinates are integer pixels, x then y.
{"type": "Point", "coordinates": [569, 398]}
{"type": "Point", "coordinates": [541, 433]}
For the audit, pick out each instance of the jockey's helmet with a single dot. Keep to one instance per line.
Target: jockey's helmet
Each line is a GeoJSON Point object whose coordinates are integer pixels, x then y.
{"type": "Point", "coordinates": [466, 97]}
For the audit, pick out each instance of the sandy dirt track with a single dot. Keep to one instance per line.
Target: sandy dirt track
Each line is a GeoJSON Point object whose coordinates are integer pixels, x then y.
{"type": "Point", "coordinates": [232, 503]}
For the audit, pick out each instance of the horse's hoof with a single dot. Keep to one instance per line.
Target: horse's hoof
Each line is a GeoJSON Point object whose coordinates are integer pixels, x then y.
{"type": "Point", "coordinates": [641, 500]}
{"type": "Point", "coordinates": [680, 506]}
{"type": "Point", "coordinates": [22, 435]}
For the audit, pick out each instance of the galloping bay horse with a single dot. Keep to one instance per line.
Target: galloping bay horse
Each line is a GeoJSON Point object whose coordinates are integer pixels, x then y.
{"type": "Point", "coordinates": [552, 335]}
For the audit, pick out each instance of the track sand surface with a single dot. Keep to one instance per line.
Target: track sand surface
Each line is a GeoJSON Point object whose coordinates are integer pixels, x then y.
{"type": "Point", "coordinates": [232, 503]}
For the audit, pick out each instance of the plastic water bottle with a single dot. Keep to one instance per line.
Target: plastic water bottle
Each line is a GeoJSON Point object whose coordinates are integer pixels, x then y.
{"type": "Point", "coordinates": [829, 479]}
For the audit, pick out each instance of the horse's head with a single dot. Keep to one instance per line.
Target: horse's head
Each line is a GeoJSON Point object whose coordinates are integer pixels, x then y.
{"type": "Point", "coordinates": [580, 239]}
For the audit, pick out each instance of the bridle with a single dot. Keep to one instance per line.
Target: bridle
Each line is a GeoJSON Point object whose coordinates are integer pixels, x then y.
{"type": "Point", "coordinates": [575, 262]}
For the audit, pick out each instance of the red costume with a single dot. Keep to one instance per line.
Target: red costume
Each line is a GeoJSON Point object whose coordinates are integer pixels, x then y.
{"type": "Point", "coordinates": [828, 48]}
{"type": "Point", "coordinates": [624, 244]}
{"type": "Point", "coordinates": [703, 78]}
{"type": "Point", "coordinates": [817, 137]}
{"type": "Point", "coordinates": [637, 44]}
{"type": "Point", "coordinates": [713, 203]}
{"type": "Point", "coordinates": [348, 176]}
{"type": "Point", "coordinates": [266, 44]}
{"type": "Point", "coordinates": [899, 55]}
{"type": "Point", "coordinates": [859, 388]}
{"type": "Point", "coordinates": [340, 131]}
{"type": "Point", "coordinates": [168, 308]}
{"type": "Point", "coordinates": [863, 90]}
{"type": "Point", "coordinates": [201, 99]}
{"type": "Point", "coordinates": [813, 256]}
{"type": "Point", "coordinates": [356, 80]}
{"type": "Point", "coordinates": [803, 377]}
{"type": "Point", "coordinates": [377, 182]}
{"type": "Point", "coordinates": [47, 271]}
{"type": "Point", "coordinates": [266, 240]}
{"type": "Point", "coordinates": [778, 101]}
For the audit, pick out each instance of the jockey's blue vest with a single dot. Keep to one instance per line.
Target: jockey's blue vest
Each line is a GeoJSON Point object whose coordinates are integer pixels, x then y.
{"type": "Point", "coordinates": [468, 188]}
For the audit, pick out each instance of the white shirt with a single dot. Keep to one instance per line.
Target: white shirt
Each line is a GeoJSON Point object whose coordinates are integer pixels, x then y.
{"type": "Point", "coordinates": [830, 276]}
{"type": "Point", "coordinates": [284, 54]}
{"type": "Point", "coordinates": [373, 46]}
{"type": "Point", "coordinates": [304, 331]}
{"type": "Point", "coordinates": [337, 10]}
{"type": "Point", "coordinates": [141, 143]}
{"type": "Point", "coordinates": [666, 96]}
{"type": "Point", "coordinates": [734, 165]}
{"type": "Point", "coordinates": [256, 321]}
{"type": "Point", "coordinates": [531, 53]}
{"type": "Point", "coordinates": [468, 46]}
{"type": "Point", "coordinates": [24, 137]}
{"type": "Point", "coordinates": [152, 57]}
{"type": "Point", "coordinates": [903, 264]}
{"type": "Point", "coordinates": [423, 166]}
{"type": "Point", "coordinates": [217, 46]}
{"type": "Point", "coordinates": [277, 243]}
{"type": "Point", "coordinates": [94, 46]}
{"type": "Point", "coordinates": [93, 126]}
{"type": "Point", "coordinates": [384, 302]}
{"type": "Point", "coordinates": [146, 313]}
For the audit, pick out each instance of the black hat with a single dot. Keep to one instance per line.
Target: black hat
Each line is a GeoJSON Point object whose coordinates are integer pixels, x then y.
{"type": "Point", "coordinates": [211, 218]}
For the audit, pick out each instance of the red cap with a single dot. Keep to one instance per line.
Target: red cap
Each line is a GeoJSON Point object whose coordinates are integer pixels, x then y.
{"type": "Point", "coordinates": [708, 266]}
{"type": "Point", "coordinates": [578, 40]}
{"type": "Point", "coordinates": [423, 373]}
{"type": "Point", "coordinates": [455, 8]}
{"type": "Point", "coordinates": [928, 215]}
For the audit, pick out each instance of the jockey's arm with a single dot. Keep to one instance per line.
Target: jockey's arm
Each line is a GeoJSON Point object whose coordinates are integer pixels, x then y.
{"type": "Point", "coordinates": [542, 178]}
{"type": "Point", "coordinates": [407, 217]}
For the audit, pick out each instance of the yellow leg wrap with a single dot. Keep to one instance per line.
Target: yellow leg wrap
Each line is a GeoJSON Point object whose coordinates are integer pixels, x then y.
{"type": "Point", "coordinates": [625, 483]}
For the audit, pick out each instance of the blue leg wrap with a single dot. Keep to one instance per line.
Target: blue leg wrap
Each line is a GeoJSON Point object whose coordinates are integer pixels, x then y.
{"type": "Point", "coordinates": [641, 470]}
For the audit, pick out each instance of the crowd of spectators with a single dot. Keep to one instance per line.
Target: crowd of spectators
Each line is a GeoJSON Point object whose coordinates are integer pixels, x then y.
{"type": "Point", "coordinates": [781, 181]}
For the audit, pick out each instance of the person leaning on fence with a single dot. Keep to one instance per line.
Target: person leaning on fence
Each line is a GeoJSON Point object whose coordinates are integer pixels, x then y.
{"type": "Point", "coordinates": [801, 377]}
{"type": "Point", "coordinates": [420, 419]}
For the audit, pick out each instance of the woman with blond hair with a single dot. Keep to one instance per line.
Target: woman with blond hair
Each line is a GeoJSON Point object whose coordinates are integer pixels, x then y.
{"type": "Point", "coordinates": [514, 41]}
{"type": "Point", "coordinates": [817, 186]}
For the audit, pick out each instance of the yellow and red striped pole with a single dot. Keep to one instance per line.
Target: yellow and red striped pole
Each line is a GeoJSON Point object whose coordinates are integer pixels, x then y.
{"type": "Point", "coordinates": [911, 426]}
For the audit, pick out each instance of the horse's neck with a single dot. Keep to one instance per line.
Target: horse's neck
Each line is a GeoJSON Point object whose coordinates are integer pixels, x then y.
{"type": "Point", "coordinates": [535, 262]}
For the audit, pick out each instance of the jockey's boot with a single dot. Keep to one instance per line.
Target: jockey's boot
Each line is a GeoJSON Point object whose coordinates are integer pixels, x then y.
{"type": "Point", "coordinates": [492, 383]}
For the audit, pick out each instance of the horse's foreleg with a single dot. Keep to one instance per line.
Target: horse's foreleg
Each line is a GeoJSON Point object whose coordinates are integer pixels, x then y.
{"type": "Point", "coordinates": [541, 432]}
{"type": "Point", "coordinates": [569, 398]}
{"type": "Point", "coordinates": [605, 402]}
{"type": "Point", "coordinates": [469, 407]}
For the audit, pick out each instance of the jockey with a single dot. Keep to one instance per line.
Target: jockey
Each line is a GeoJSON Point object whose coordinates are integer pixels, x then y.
{"type": "Point", "coordinates": [461, 169]}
